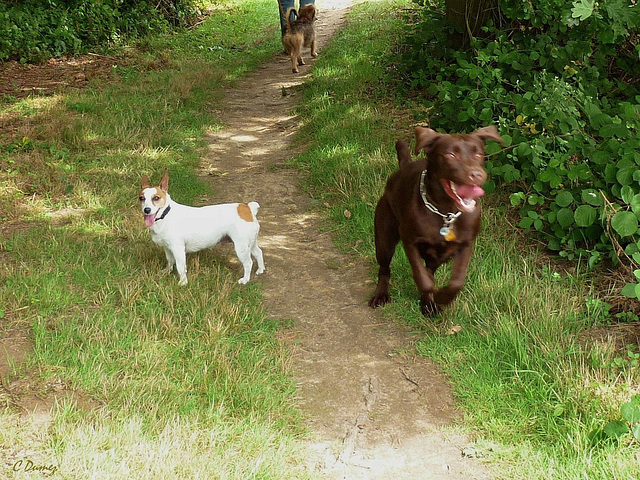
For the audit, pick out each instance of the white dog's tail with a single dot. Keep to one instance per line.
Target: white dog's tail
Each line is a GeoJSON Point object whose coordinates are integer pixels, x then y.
{"type": "Point", "coordinates": [254, 207]}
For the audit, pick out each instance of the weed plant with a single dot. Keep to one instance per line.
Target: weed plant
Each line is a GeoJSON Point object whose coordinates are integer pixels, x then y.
{"type": "Point", "coordinates": [531, 385]}
{"type": "Point", "coordinates": [167, 381]}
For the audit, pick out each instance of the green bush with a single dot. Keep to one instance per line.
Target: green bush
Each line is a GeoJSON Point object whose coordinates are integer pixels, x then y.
{"type": "Point", "coordinates": [561, 81]}
{"type": "Point", "coordinates": [38, 29]}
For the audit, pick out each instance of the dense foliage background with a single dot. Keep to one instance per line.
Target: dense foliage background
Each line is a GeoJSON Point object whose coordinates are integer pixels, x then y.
{"type": "Point", "coordinates": [34, 30]}
{"type": "Point", "coordinates": [561, 80]}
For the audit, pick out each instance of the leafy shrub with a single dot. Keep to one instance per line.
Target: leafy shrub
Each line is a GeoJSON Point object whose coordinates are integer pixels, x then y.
{"type": "Point", "coordinates": [561, 82]}
{"type": "Point", "coordinates": [38, 29]}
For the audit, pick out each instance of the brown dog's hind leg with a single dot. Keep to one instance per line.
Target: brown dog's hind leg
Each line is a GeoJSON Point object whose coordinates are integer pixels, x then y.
{"type": "Point", "coordinates": [386, 237]}
{"type": "Point", "coordinates": [294, 62]}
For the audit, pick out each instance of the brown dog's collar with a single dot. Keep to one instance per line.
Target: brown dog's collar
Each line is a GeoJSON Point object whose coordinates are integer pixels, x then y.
{"type": "Point", "coordinates": [448, 218]}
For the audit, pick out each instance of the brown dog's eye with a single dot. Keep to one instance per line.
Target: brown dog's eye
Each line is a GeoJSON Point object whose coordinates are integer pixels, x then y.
{"type": "Point", "coordinates": [141, 198]}
{"type": "Point", "coordinates": [156, 198]}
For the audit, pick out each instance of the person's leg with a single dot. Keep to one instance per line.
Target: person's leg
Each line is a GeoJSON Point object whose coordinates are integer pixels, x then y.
{"type": "Point", "coordinates": [286, 5]}
{"type": "Point", "coordinates": [307, 2]}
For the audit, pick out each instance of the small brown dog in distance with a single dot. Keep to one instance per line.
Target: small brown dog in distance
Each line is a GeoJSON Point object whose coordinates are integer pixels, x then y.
{"type": "Point", "coordinates": [433, 206]}
{"type": "Point", "coordinates": [299, 33]}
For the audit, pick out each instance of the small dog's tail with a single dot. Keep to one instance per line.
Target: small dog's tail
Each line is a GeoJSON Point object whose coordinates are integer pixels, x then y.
{"type": "Point", "coordinates": [287, 16]}
{"type": "Point", "coordinates": [254, 207]}
{"type": "Point", "coordinates": [404, 155]}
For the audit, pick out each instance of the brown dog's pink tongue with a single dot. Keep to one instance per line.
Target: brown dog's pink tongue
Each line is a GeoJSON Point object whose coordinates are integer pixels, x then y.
{"type": "Point", "coordinates": [469, 191]}
{"type": "Point", "coordinates": [148, 219]}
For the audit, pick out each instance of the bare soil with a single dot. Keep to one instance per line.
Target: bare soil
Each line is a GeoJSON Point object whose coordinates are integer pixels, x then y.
{"type": "Point", "coordinates": [375, 409]}
{"type": "Point", "coordinates": [20, 80]}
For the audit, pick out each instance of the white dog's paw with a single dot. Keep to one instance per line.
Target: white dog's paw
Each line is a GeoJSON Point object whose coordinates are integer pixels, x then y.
{"type": "Point", "coordinates": [260, 271]}
{"type": "Point", "coordinates": [243, 281]}
{"type": "Point", "coordinates": [183, 281]}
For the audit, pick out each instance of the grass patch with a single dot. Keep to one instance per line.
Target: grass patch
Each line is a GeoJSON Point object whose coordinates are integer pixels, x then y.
{"type": "Point", "coordinates": [531, 389]}
{"type": "Point", "coordinates": [190, 382]}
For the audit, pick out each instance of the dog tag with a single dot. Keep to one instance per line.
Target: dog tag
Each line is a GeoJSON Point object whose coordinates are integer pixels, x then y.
{"type": "Point", "coordinates": [448, 233]}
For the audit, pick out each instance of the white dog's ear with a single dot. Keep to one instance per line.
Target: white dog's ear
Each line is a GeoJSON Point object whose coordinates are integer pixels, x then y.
{"type": "Point", "coordinates": [164, 183]}
{"type": "Point", "coordinates": [145, 182]}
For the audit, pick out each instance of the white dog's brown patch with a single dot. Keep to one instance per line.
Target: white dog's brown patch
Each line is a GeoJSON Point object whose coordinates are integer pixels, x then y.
{"type": "Point", "coordinates": [244, 212]}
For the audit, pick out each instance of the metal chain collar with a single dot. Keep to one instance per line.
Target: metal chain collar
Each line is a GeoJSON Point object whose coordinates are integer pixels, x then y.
{"type": "Point", "coordinates": [448, 218]}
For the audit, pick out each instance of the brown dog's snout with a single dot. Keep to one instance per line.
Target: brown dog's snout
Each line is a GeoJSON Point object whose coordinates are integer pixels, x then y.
{"type": "Point", "coordinates": [477, 176]}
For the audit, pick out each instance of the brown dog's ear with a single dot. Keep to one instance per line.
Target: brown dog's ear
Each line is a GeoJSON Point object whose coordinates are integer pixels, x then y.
{"type": "Point", "coordinates": [164, 183]}
{"type": "Point", "coordinates": [489, 133]}
{"type": "Point", "coordinates": [425, 138]}
{"type": "Point", "coordinates": [404, 155]}
{"type": "Point", "coordinates": [145, 182]}
{"type": "Point", "coordinates": [307, 13]}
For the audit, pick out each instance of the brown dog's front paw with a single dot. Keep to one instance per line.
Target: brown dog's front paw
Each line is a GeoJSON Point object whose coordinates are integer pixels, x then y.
{"type": "Point", "coordinates": [429, 308]}
{"type": "Point", "coordinates": [379, 299]}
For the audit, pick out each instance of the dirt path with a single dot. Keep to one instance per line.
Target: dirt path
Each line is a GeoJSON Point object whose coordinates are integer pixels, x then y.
{"type": "Point", "coordinates": [373, 407]}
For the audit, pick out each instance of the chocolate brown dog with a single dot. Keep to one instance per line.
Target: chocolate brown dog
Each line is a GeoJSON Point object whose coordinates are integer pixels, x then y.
{"type": "Point", "coordinates": [299, 33]}
{"type": "Point", "coordinates": [432, 206]}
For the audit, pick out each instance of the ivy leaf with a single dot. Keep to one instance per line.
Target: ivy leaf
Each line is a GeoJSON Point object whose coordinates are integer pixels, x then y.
{"type": "Point", "coordinates": [629, 290]}
{"type": "Point", "coordinates": [631, 249]}
{"type": "Point", "coordinates": [636, 431]}
{"type": "Point", "coordinates": [516, 198]}
{"type": "Point", "coordinates": [582, 9]}
{"type": "Point", "coordinates": [585, 215]}
{"type": "Point", "coordinates": [625, 175]}
{"type": "Point", "coordinates": [564, 199]}
{"type": "Point", "coordinates": [616, 429]}
{"type": "Point", "coordinates": [635, 204]}
{"type": "Point", "coordinates": [627, 194]}
{"type": "Point", "coordinates": [630, 412]}
{"type": "Point", "coordinates": [625, 223]}
{"type": "Point", "coordinates": [614, 129]}
{"type": "Point", "coordinates": [526, 223]}
{"type": "Point", "coordinates": [592, 197]}
{"type": "Point", "coordinates": [565, 217]}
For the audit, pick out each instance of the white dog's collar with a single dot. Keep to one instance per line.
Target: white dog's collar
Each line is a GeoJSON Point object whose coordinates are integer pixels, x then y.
{"type": "Point", "coordinates": [164, 214]}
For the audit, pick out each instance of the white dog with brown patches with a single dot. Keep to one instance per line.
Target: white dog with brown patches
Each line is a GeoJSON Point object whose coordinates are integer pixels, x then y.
{"type": "Point", "coordinates": [181, 229]}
